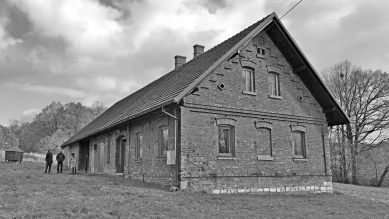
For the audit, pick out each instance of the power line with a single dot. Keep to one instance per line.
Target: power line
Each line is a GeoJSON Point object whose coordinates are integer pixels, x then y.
{"type": "Point", "coordinates": [291, 9]}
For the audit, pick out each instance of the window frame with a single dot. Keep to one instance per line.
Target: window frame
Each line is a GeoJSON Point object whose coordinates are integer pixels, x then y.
{"type": "Point", "coordinates": [160, 141]}
{"type": "Point", "coordinates": [138, 145]}
{"type": "Point", "coordinates": [277, 88]}
{"type": "Point", "coordinates": [303, 145]}
{"type": "Point", "coordinates": [249, 85]}
{"type": "Point", "coordinates": [231, 140]}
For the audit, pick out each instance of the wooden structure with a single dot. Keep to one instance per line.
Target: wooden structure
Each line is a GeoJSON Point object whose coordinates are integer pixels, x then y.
{"type": "Point", "coordinates": [14, 154]}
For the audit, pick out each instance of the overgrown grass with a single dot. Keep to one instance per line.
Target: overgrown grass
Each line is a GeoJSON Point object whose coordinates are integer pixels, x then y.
{"type": "Point", "coordinates": [26, 192]}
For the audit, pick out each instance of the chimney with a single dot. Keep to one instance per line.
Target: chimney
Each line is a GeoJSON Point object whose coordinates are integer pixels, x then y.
{"type": "Point", "coordinates": [179, 60]}
{"type": "Point", "coordinates": [197, 50]}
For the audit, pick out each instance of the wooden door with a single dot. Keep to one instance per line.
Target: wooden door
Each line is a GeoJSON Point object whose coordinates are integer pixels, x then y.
{"type": "Point", "coordinates": [101, 166]}
{"type": "Point", "coordinates": [120, 151]}
{"type": "Point", "coordinates": [96, 159]}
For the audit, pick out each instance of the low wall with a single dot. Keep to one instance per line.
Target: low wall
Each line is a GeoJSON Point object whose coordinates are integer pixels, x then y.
{"type": "Point", "coordinates": [250, 184]}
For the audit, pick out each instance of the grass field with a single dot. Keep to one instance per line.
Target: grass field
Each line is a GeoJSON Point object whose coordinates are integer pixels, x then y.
{"type": "Point", "coordinates": [26, 192]}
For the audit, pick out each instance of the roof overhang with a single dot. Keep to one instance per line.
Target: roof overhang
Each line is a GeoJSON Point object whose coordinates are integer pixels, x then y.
{"type": "Point", "coordinates": [306, 72]}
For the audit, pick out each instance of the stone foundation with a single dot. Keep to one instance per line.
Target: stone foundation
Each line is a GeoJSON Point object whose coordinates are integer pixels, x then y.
{"type": "Point", "coordinates": [222, 185]}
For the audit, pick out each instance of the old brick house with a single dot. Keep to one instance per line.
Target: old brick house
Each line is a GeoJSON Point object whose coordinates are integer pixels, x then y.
{"type": "Point", "coordinates": [249, 115]}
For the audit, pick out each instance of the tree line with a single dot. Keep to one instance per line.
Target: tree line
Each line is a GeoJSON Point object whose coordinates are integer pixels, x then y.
{"type": "Point", "coordinates": [55, 124]}
{"type": "Point", "coordinates": [364, 97]}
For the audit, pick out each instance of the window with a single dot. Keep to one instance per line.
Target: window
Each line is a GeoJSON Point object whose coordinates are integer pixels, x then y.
{"type": "Point", "coordinates": [298, 141]}
{"type": "Point", "coordinates": [265, 142]}
{"type": "Point", "coordinates": [163, 140]}
{"type": "Point", "coordinates": [261, 51]}
{"type": "Point", "coordinates": [108, 150]}
{"type": "Point", "coordinates": [274, 85]}
{"type": "Point", "coordinates": [248, 76]}
{"type": "Point", "coordinates": [138, 145]}
{"type": "Point", "coordinates": [226, 140]}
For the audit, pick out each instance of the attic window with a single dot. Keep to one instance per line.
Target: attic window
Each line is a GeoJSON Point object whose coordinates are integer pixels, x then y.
{"type": "Point", "coordinates": [261, 52]}
{"type": "Point", "coordinates": [300, 98]}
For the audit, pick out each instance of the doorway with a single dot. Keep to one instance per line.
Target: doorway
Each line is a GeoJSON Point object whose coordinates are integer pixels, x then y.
{"type": "Point", "coordinates": [120, 152]}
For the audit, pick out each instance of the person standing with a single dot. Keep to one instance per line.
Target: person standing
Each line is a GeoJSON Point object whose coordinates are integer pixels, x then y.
{"type": "Point", "coordinates": [49, 160]}
{"type": "Point", "coordinates": [73, 163]}
{"type": "Point", "coordinates": [60, 159]}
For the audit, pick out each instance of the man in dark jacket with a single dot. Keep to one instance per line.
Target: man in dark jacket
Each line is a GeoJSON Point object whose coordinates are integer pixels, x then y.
{"type": "Point", "coordinates": [60, 159]}
{"type": "Point", "coordinates": [49, 160]}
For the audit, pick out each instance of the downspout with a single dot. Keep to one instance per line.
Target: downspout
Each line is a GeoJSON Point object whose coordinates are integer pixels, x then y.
{"type": "Point", "coordinates": [175, 137]}
{"type": "Point", "coordinates": [324, 150]}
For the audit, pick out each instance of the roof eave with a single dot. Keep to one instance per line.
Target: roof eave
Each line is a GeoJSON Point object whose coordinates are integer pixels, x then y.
{"type": "Point", "coordinates": [291, 41]}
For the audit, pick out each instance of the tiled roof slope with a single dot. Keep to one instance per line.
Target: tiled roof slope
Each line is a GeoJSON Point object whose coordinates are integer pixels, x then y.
{"type": "Point", "coordinates": [160, 91]}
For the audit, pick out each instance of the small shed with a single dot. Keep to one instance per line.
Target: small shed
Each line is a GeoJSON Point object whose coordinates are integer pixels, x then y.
{"type": "Point", "coordinates": [14, 154]}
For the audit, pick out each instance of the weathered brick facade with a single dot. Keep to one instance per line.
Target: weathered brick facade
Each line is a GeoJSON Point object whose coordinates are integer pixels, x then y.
{"type": "Point", "coordinates": [258, 124]}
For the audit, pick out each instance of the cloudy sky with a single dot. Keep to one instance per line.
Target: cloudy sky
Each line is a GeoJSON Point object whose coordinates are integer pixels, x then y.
{"type": "Point", "coordinates": [89, 50]}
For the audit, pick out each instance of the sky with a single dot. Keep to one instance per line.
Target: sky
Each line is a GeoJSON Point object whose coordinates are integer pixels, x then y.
{"type": "Point", "coordinates": [104, 50]}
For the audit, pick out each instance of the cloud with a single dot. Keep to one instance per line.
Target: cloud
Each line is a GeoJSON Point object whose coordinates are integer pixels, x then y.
{"type": "Point", "coordinates": [33, 111]}
{"type": "Point", "coordinates": [46, 90]}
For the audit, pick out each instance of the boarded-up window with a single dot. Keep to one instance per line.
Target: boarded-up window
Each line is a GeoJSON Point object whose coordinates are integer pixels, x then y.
{"type": "Point", "coordinates": [108, 150]}
{"type": "Point", "coordinates": [163, 140]}
{"type": "Point", "coordinates": [265, 142]}
{"type": "Point", "coordinates": [138, 145]}
{"type": "Point", "coordinates": [298, 141]}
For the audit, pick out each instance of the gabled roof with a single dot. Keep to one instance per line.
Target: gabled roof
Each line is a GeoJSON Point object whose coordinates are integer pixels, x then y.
{"type": "Point", "coordinates": [173, 86]}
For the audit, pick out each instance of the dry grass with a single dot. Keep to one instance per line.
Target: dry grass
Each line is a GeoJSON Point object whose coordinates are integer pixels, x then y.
{"type": "Point", "coordinates": [26, 192]}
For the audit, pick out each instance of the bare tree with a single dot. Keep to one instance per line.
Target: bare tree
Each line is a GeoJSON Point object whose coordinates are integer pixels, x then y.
{"type": "Point", "coordinates": [363, 95]}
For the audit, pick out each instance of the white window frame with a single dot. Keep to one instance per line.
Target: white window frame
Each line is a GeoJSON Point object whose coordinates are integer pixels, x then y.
{"type": "Point", "coordinates": [274, 85]}
{"type": "Point", "coordinates": [249, 80]}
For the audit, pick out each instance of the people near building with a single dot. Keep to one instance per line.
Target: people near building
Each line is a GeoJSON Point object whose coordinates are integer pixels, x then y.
{"type": "Point", "coordinates": [60, 159]}
{"type": "Point", "coordinates": [73, 163]}
{"type": "Point", "coordinates": [49, 161]}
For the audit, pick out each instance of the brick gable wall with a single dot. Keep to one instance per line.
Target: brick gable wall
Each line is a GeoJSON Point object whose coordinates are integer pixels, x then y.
{"type": "Point", "coordinates": [203, 170]}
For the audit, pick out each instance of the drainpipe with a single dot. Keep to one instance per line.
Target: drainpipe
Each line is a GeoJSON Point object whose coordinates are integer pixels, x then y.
{"type": "Point", "coordinates": [324, 150]}
{"type": "Point", "coordinates": [175, 137]}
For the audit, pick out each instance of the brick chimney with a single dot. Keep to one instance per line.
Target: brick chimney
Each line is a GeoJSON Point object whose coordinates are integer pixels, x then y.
{"type": "Point", "coordinates": [179, 60]}
{"type": "Point", "coordinates": [197, 50]}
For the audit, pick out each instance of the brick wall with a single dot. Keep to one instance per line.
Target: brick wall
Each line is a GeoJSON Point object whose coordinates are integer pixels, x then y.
{"type": "Point", "coordinates": [150, 167]}
{"type": "Point", "coordinates": [203, 170]}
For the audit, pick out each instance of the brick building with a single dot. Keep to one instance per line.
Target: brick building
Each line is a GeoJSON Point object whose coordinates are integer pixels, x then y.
{"type": "Point", "coordinates": [249, 115]}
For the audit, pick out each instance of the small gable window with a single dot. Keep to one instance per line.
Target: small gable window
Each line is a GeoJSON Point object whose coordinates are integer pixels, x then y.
{"type": "Point", "coordinates": [274, 85]}
{"type": "Point", "coordinates": [163, 140]}
{"type": "Point", "coordinates": [138, 145]}
{"type": "Point", "coordinates": [226, 146]}
{"type": "Point", "coordinates": [261, 51]}
{"type": "Point", "coordinates": [248, 80]}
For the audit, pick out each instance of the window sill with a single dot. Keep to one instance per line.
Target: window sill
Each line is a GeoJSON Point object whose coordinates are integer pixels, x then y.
{"type": "Point", "coordinates": [275, 97]}
{"type": "Point", "coordinates": [249, 93]}
{"type": "Point", "coordinates": [138, 160]}
{"type": "Point", "coordinates": [267, 158]}
{"type": "Point", "coordinates": [225, 158]}
{"type": "Point", "coordinates": [161, 158]}
{"type": "Point", "coordinates": [300, 159]}
{"type": "Point", "coordinates": [261, 56]}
